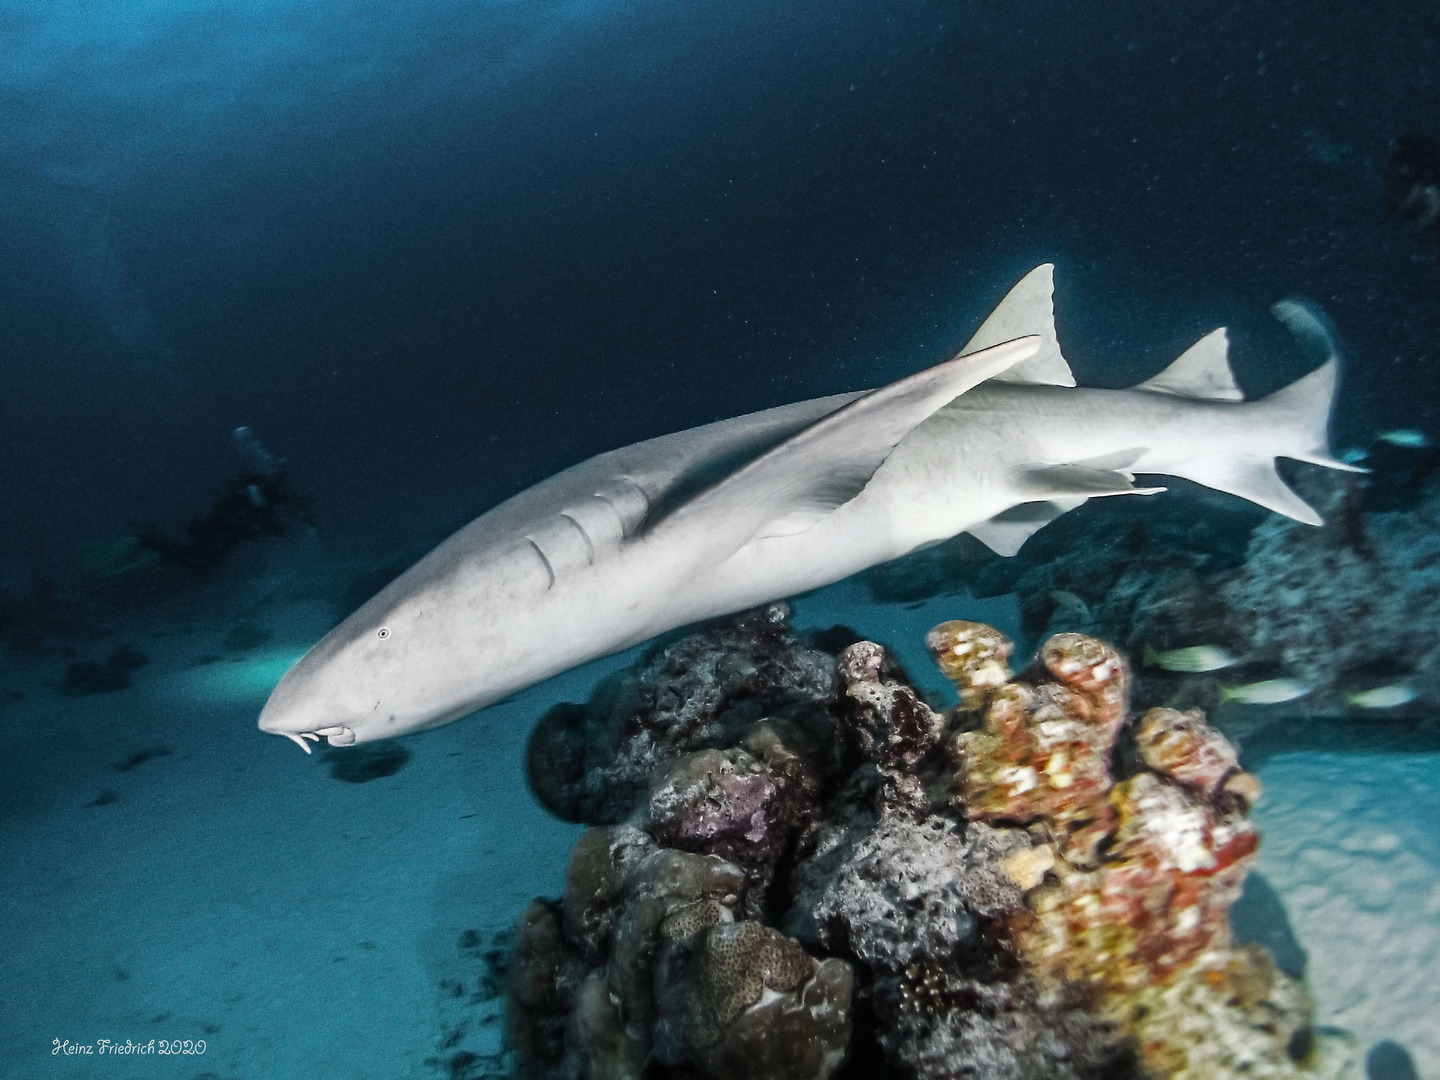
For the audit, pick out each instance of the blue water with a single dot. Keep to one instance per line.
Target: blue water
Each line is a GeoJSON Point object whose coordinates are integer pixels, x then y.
{"type": "Point", "coordinates": [431, 253]}
{"type": "Point", "coordinates": [434, 253]}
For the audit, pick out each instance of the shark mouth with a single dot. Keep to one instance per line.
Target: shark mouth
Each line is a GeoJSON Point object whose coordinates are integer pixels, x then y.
{"type": "Point", "coordinates": [335, 736]}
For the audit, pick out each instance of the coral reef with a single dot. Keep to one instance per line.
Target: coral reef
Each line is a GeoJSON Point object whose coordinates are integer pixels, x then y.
{"type": "Point", "coordinates": [1359, 596]}
{"type": "Point", "coordinates": [1033, 884]}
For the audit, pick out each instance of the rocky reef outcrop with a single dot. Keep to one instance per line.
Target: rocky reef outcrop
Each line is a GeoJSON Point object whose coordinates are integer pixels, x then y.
{"type": "Point", "coordinates": [1339, 612]}
{"type": "Point", "coordinates": [1033, 884]}
{"type": "Point", "coordinates": [589, 763]}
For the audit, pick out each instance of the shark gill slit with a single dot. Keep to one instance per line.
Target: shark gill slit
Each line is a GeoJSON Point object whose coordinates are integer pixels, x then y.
{"type": "Point", "coordinates": [589, 544]}
{"type": "Point", "coordinates": [543, 561]}
{"type": "Point", "coordinates": [627, 528]}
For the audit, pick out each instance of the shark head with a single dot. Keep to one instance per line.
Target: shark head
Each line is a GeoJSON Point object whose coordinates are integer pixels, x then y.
{"type": "Point", "coordinates": [386, 670]}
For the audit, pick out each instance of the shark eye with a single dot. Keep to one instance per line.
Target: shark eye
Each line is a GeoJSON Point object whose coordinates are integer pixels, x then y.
{"type": "Point", "coordinates": [383, 633]}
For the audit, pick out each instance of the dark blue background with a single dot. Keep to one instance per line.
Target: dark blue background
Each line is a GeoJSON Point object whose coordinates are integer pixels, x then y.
{"type": "Point", "coordinates": [432, 254]}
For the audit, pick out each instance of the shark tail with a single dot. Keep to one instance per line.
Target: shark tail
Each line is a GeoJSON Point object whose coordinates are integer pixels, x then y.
{"type": "Point", "coordinates": [1296, 422]}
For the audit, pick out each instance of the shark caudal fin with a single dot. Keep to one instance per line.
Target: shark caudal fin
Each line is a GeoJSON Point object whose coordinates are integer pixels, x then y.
{"type": "Point", "coordinates": [1309, 401]}
{"type": "Point", "coordinates": [1295, 419]}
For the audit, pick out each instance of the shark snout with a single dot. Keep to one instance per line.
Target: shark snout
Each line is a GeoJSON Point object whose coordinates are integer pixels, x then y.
{"type": "Point", "coordinates": [302, 734]}
{"type": "Point", "coordinates": [335, 735]}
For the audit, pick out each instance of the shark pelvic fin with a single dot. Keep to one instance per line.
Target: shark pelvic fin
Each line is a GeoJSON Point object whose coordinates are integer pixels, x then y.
{"type": "Point", "coordinates": [1049, 491]}
{"type": "Point", "coordinates": [1028, 308]}
{"type": "Point", "coordinates": [1201, 371]}
{"type": "Point", "coordinates": [787, 489]}
{"type": "Point", "coordinates": [1075, 481]}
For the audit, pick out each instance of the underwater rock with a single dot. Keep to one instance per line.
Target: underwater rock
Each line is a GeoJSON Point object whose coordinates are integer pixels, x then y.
{"type": "Point", "coordinates": [1359, 596]}
{"type": "Point", "coordinates": [540, 990]}
{"type": "Point", "coordinates": [746, 1001]}
{"type": "Point", "coordinates": [1231, 1014]}
{"type": "Point", "coordinates": [591, 763]}
{"type": "Point", "coordinates": [1185, 748]}
{"type": "Point", "coordinates": [1160, 899]}
{"type": "Point", "coordinates": [1031, 885]}
{"type": "Point", "coordinates": [731, 804]}
{"type": "Point", "coordinates": [888, 723]}
{"type": "Point", "coordinates": [652, 963]}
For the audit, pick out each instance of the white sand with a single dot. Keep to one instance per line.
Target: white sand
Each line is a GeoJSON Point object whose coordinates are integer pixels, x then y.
{"type": "Point", "coordinates": [237, 893]}
{"type": "Point", "coordinates": [1352, 846]}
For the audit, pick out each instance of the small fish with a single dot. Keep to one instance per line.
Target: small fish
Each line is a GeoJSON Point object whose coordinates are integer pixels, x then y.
{"type": "Point", "coordinates": [1353, 455]}
{"type": "Point", "coordinates": [1194, 659]}
{"type": "Point", "coordinates": [1269, 692]}
{"type": "Point", "coordinates": [1068, 600]}
{"type": "Point", "coordinates": [1383, 697]}
{"type": "Point", "coordinates": [1407, 437]}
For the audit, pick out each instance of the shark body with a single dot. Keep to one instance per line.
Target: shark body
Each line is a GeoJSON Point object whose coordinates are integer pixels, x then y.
{"type": "Point", "coordinates": [689, 526]}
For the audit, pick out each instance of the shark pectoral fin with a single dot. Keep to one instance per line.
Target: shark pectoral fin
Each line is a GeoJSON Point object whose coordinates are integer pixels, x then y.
{"type": "Point", "coordinates": [1201, 371]}
{"type": "Point", "coordinates": [1250, 478]}
{"type": "Point", "coordinates": [1028, 308]}
{"type": "Point", "coordinates": [789, 488]}
{"type": "Point", "coordinates": [1120, 461]}
{"type": "Point", "coordinates": [1006, 533]}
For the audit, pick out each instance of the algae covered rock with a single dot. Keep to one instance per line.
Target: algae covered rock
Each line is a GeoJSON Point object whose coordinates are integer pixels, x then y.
{"type": "Point", "coordinates": [591, 763]}
{"type": "Point", "coordinates": [744, 1000]}
{"type": "Point", "coordinates": [652, 965]}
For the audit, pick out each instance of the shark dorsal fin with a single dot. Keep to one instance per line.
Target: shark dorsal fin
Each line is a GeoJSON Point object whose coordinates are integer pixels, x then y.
{"type": "Point", "coordinates": [1201, 371]}
{"type": "Point", "coordinates": [1028, 308]}
{"type": "Point", "coordinates": [788, 488]}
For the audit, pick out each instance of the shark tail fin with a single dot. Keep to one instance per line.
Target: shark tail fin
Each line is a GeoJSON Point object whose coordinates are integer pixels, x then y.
{"type": "Point", "coordinates": [1296, 419]}
{"type": "Point", "coordinates": [1304, 407]}
{"type": "Point", "coordinates": [1302, 412]}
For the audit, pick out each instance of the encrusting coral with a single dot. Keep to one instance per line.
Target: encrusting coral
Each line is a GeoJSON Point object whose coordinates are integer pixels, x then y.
{"type": "Point", "coordinates": [1031, 885]}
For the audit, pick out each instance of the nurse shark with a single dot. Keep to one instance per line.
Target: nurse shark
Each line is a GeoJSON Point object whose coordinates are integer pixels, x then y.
{"type": "Point", "coordinates": [996, 442]}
